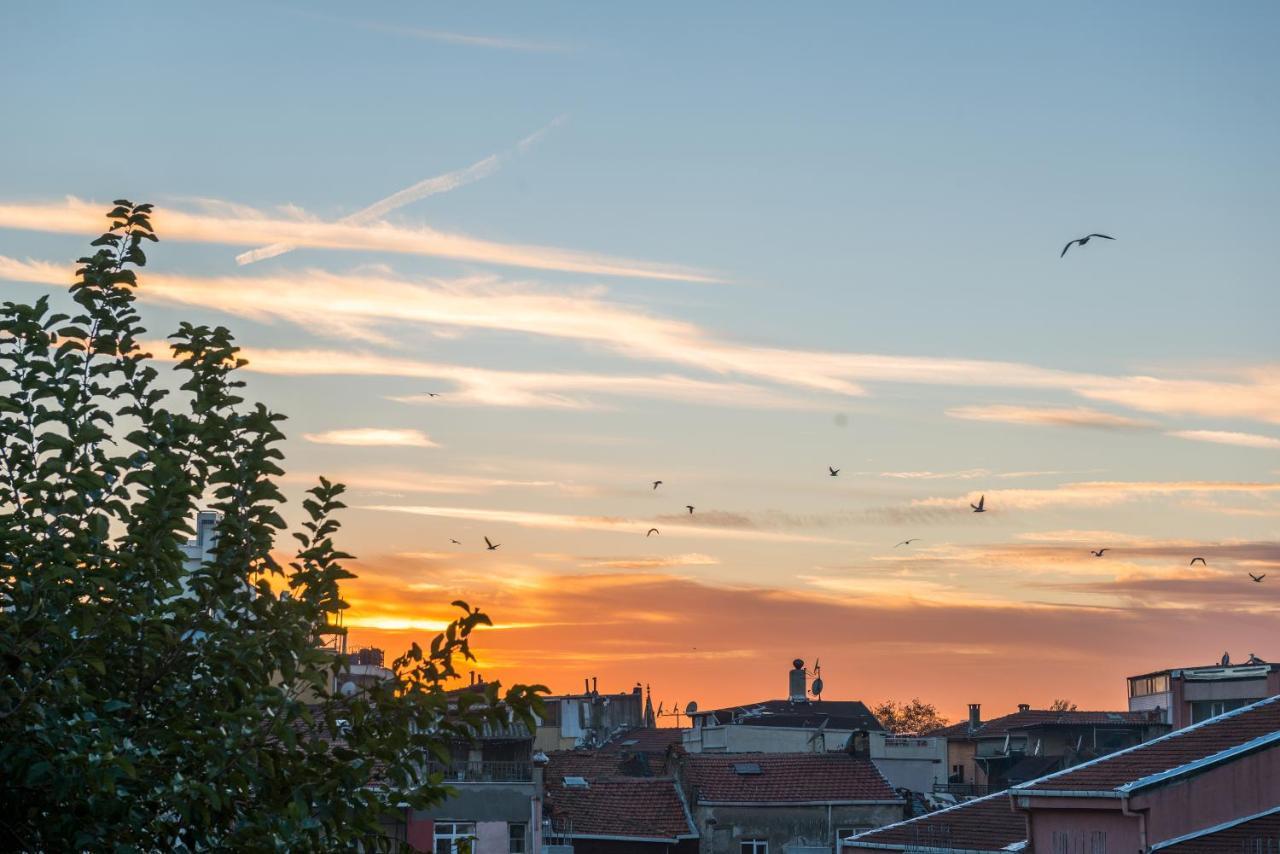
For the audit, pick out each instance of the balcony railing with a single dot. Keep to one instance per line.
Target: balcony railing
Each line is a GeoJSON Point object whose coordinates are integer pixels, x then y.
{"type": "Point", "coordinates": [964, 790]}
{"type": "Point", "coordinates": [484, 772]}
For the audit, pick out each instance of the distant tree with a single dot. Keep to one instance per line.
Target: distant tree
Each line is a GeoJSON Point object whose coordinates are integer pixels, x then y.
{"type": "Point", "coordinates": [145, 707]}
{"type": "Point", "coordinates": [914, 717]}
{"type": "Point", "coordinates": [1062, 706]}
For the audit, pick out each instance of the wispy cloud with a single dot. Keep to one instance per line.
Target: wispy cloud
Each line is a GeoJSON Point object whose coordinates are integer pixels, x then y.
{"type": "Point", "coordinates": [447, 36]}
{"type": "Point", "coordinates": [1093, 494]}
{"type": "Point", "coordinates": [964, 474]}
{"type": "Point", "coordinates": [255, 228]}
{"type": "Point", "coordinates": [372, 437]}
{"type": "Point", "coordinates": [421, 190]}
{"type": "Point", "coordinates": [1079, 416]}
{"type": "Point", "coordinates": [667, 562]}
{"type": "Point", "coordinates": [367, 303]}
{"type": "Point", "coordinates": [1225, 437]}
{"type": "Point", "coordinates": [616, 524]}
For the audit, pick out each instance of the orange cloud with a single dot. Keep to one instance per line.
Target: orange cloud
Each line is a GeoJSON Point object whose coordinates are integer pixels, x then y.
{"type": "Point", "coordinates": [1079, 416]}
{"type": "Point", "coordinates": [372, 437]}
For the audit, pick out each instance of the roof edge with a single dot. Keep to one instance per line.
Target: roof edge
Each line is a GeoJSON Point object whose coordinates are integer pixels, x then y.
{"type": "Point", "coordinates": [863, 802]}
{"type": "Point", "coordinates": [1226, 825]}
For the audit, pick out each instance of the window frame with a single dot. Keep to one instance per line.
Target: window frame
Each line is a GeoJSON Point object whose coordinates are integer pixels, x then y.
{"type": "Point", "coordinates": [753, 846]}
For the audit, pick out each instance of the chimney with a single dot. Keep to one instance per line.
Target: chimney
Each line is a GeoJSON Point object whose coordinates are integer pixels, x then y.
{"type": "Point", "coordinates": [594, 690]}
{"type": "Point", "coordinates": [1024, 707]}
{"type": "Point", "coordinates": [797, 685]}
{"type": "Point", "coordinates": [586, 685]}
{"type": "Point", "coordinates": [975, 717]}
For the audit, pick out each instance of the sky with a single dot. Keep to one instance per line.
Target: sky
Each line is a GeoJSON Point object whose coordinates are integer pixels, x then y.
{"type": "Point", "coordinates": [726, 247]}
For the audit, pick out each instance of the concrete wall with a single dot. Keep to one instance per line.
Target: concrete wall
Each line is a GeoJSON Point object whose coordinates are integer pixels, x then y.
{"type": "Point", "coordinates": [1078, 826]}
{"type": "Point", "coordinates": [724, 828]}
{"type": "Point", "coordinates": [914, 763]}
{"type": "Point", "coordinates": [485, 802]}
{"type": "Point", "coordinates": [962, 753]}
{"type": "Point", "coordinates": [492, 837]}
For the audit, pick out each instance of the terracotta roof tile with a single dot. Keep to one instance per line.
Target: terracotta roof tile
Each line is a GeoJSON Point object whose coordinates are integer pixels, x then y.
{"type": "Point", "coordinates": [985, 824]}
{"type": "Point", "coordinates": [645, 739]}
{"type": "Point", "coordinates": [785, 778]}
{"type": "Point", "coordinates": [619, 806]}
{"type": "Point", "coordinates": [1174, 750]}
{"type": "Point", "coordinates": [621, 798]}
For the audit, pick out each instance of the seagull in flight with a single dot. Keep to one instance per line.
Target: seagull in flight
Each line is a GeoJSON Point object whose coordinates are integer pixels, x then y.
{"type": "Point", "coordinates": [653, 531]}
{"type": "Point", "coordinates": [689, 507]}
{"type": "Point", "coordinates": [1083, 240]}
{"type": "Point", "coordinates": [980, 507]}
{"type": "Point", "coordinates": [1099, 552]}
{"type": "Point", "coordinates": [1258, 578]}
{"type": "Point", "coordinates": [1194, 559]}
{"type": "Point", "coordinates": [908, 542]}
{"type": "Point", "coordinates": [433, 394]}
{"type": "Point", "coordinates": [455, 542]}
{"type": "Point", "coordinates": [657, 483]}
{"type": "Point", "coordinates": [834, 471]}
{"type": "Point", "coordinates": [493, 547]}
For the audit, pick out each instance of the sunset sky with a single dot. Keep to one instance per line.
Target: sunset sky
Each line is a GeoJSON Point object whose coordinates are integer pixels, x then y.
{"type": "Point", "coordinates": [725, 248]}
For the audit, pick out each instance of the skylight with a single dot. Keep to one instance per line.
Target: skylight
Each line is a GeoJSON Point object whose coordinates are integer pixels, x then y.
{"type": "Point", "coordinates": [746, 768]}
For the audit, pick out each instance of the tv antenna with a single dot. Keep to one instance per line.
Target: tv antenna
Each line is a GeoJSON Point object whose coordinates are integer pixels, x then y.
{"type": "Point", "coordinates": [690, 709]}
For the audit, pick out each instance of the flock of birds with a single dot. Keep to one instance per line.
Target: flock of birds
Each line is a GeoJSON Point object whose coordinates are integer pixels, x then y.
{"type": "Point", "coordinates": [832, 471]}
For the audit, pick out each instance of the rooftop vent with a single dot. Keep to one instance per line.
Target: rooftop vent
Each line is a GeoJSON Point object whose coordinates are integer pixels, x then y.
{"type": "Point", "coordinates": [745, 769]}
{"type": "Point", "coordinates": [576, 783]}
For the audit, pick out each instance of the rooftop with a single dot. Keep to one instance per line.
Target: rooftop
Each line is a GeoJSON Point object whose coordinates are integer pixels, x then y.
{"type": "Point", "coordinates": [623, 795]}
{"type": "Point", "coordinates": [1170, 756]}
{"type": "Point", "coordinates": [839, 714]}
{"type": "Point", "coordinates": [985, 824]}
{"type": "Point", "coordinates": [999, 727]}
{"type": "Point", "coordinates": [785, 778]}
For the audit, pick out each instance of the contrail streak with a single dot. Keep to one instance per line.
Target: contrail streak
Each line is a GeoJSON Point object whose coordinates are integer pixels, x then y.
{"type": "Point", "coordinates": [427, 187]}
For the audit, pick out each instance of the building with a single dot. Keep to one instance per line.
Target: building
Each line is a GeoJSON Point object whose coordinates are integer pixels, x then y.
{"type": "Point", "coordinates": [756, 803]}
{"type": "Point", "coordinates": [1210, 787]}
{"type": "Point", "coordinates": [497, 805]}
{"type": "Point", "coordinates": [199, 550]}
{"type": "Point", "coordinates": [590, 719]}
{"type": "Point", "coordinates": [1188, 695]}
{"type": "Point", "coordinates": [621, 799]}
{"type": "Point", "coordinates": [985, 756]}
{"type": "Point", "coordinates": [1196, 780]}
{"type": "Point", "coordinates": [1251, 833]}
{"type": "Point", "coordinates": [988, 824]}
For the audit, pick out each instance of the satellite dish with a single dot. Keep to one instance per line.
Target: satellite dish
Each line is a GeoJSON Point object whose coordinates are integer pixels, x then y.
{"type": "Point", "coordinates": [817, 687]}
{"type": "Point", "coordinates": [692, 708]}
{"type": "Point", "coordinates": [348, 688]}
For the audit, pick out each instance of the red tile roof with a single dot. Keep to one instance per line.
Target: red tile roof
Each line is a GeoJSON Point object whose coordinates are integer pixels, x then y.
{"type": "Point", "coordinates": [1183, 750]}
{"type": "Point", "coordinates": [837, 714]}
{"type": "Point", "coordinates": [648, 807]}
{"type": "Point", "coordinates": [646, 740]}
{"type": "Point", "coordinates": [1243, 834]}
{"type": "Point", "coordinates": [999, 727]}
{"type": "Point", "coordinates": [622, 796]}
{"type": "Point", "coordinates": [786, 778]}
{"type": "Point", "coordinates": [985, 824]}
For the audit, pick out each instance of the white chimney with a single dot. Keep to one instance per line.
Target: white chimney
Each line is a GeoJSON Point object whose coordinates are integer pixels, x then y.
{"type": "Point", "coordinates": [797, 685]}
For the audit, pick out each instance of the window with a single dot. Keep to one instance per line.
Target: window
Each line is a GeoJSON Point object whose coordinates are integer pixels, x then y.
{"type": "Point", "coordinates": [754, 846]}
{"type": "Point", "coordinates": [843, 833]}
{"type": "Point", "coordinates": [957, 774]}
{"type": "Point", "coordinates": [1143, 686]}
{"type": "Point", "coordinates": [454, 837]}
{"type": "Point", "coordinates": [516, 836]}
{"type": "Point", "coordinates": [1202, 710]}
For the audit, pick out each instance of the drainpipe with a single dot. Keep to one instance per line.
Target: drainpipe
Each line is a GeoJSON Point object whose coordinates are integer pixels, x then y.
{"type": "Point", "coordinates": [1141, 815]}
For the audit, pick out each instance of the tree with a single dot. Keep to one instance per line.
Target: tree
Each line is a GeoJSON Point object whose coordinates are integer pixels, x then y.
{"type": "Point", "coordinates": [909, 718]}
{"type": "Point", "coordinates": [145, 706]}
{"type": "Point", "coordinates": [1062, 706]}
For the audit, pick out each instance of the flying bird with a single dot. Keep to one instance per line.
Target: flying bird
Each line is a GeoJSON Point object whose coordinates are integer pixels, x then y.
{"type": "Point", "coordinates": [1194, 559]}
{"type": "Point", "coordinates": [657, 483]}
{"type": "Point", "coordinates": [1257, 578]}
{"type": "Point", "coordinates": [908, 542]}
{"type": "Point", "coordinates": [1099, 552]}
{"type": "Point", "coordinates": [493, 547]}
{"type": "Point", "coordinates": [1083, 240]}
{"type": "Point", "coordinates": [980, 507]}
{"type": "Point", "coordinates": [455, 542]}
{"type": "Point", "coordinates": [433, 394]}
{"type": "Point", "coordinates": [653, 531]}
{"type": "Point", "coordinates": [834, 471]}
{"type": "Point", "coordinates": [689, 507]}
